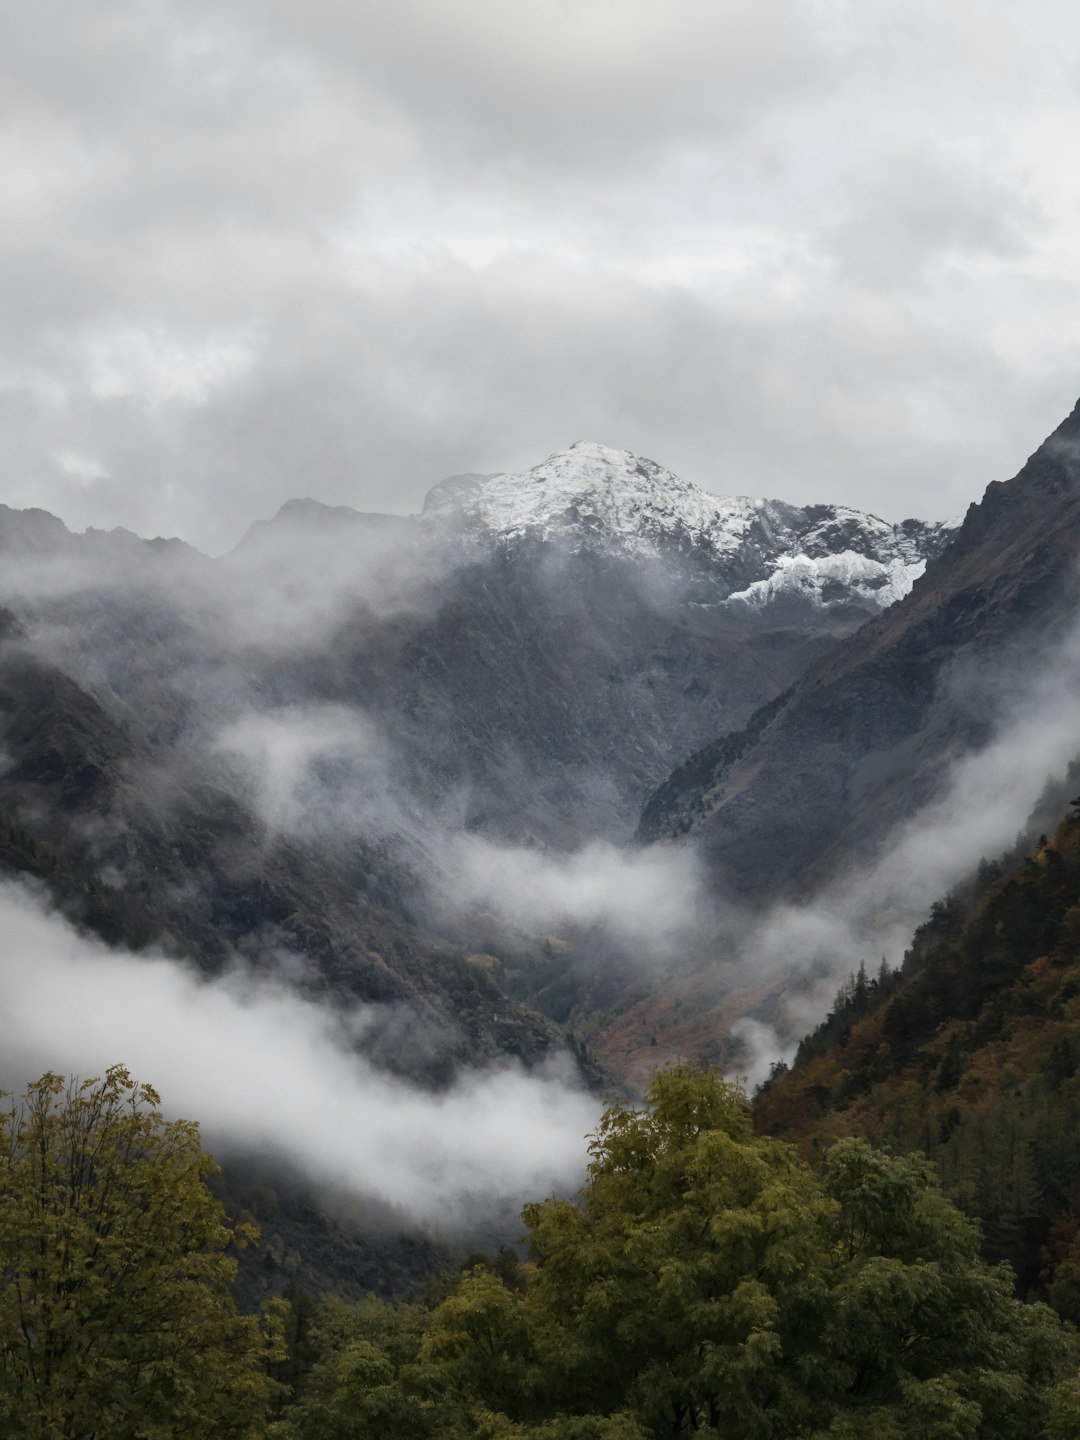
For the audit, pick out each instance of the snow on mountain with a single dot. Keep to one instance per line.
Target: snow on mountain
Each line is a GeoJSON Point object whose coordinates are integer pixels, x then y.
{"type": "Point", "coordinates": [827, 577]}
{"type": "Point", "coordinates": [588, 491]}
{"type": "Point", "coordinates": [593, 497]}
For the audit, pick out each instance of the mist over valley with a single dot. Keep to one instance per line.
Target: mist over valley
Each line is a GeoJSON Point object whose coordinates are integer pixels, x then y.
{"type": "Point", "coordinates": [539, 763]}
{"type": "Point", "coordinates": [576, 773]}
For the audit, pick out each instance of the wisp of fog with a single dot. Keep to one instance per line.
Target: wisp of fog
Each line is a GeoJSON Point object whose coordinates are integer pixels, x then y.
{"type": "Point", "coordinates": [316, 768]}
{"type": "Point", "coordinates": [263, 1069]}
{"type": "Point", "coordinates": [871, 911]}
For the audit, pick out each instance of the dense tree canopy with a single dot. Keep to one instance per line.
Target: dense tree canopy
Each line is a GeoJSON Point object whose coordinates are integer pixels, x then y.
{"type": "Point", "coordinates": [708, 1283]}
{"type": "Point", "coordinates": [115, 1314]}
{"type": "Point", "coordinates": [971, 1054]}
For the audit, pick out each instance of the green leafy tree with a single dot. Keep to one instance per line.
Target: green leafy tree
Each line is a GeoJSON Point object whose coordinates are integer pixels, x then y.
{"type": "Point", "coordinates": [115, 1313]}
{"type": "Point", "coordinates": [919, 1337]}
{"type": "Point", "coordinates": [367, 1382]}
{"type": "Point", "coordinates": [670, 1290]}
{"type": "Point", "coordinates": [710, 1284]}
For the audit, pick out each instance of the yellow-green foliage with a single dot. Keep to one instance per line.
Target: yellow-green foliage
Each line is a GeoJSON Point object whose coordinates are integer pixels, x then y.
{"type": "Point", "coordinates": [709, 1283]}
{"type": "Point", "coordinates": [115, 1314]}
{"type": "Point", "coordinates": [488, 963]}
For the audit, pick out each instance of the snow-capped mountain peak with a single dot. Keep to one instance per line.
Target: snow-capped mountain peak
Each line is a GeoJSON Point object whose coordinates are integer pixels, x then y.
{"type": "Point", "coordinates": [750, 551]}
{"type": "Point", "coordinates": [586, 492]}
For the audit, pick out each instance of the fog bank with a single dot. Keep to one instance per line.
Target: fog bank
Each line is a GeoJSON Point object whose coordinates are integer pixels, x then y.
{"type": "Point", "coordinates": [262, 1068]}
{"type": "Point", "coordinates": [872, 910]}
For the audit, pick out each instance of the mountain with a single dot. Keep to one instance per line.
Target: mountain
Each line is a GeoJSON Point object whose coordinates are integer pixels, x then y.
{"type": "Point", "coordinates": [547, 645]}
{"type": "Point", "coordinates": [870, 731]}
{"type": "Point", "coordinates": [289, 746]}
{"type": "Point", "coordinates": [400, 759]}
{"type": "Point", "coordinates": [148, 850]}
{"type": "Point", "coordinates": [747, 553]}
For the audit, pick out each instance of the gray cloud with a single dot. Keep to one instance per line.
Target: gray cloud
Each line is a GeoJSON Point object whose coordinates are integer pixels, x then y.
{"type": "Point", "coordinates": [567, 89]}
{"type": "Point", "coordinates": [261, 1069]}
{"type": "Point", "coordinates": [320, 769]}
{"type": "Point", "coordinates": [253, 252]}
{"type": "Point", "coordinates": [985, 802]}
{"type": "Point", "coordinates": [327, 770]}
{"type": "Point", "coordinates": [654, 903]}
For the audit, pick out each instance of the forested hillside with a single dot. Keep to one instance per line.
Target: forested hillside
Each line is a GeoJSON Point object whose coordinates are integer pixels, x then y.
{"type": "Point", "coordinates": [970, 1054]}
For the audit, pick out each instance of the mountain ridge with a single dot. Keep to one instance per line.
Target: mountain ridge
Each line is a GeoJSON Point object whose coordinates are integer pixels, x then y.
{"type": "Point", "coordinates": [825, 771]}
{"type": "Point", "coordinates": [421, 684]}
{"type": "Point", "coordinates": [591, 496]}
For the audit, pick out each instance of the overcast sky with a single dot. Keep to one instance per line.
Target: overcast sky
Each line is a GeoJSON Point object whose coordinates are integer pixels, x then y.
{"type": "Point", "coordinates": [253, 249]}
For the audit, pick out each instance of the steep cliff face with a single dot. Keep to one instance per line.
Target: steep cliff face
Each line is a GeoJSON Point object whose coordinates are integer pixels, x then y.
{"type": "Point", "coordinates": [868, 731]}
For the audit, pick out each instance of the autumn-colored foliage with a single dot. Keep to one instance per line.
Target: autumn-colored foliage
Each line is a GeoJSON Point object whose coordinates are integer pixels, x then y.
{"type": "Point", "coordinates": [972, 1056]}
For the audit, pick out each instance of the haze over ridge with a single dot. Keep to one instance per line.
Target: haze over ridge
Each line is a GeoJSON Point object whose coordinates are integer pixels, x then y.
{"type": "Point", "coordinates": [321, 774]}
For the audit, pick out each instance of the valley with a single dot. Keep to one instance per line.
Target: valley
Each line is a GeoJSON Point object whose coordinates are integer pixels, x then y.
{"type": "Point", "coordinates": [332, 738]}
{"type": "Point", "coordinates": [582, 772]}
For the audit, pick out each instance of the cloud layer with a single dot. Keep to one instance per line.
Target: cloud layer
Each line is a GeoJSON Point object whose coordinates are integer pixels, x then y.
{"type": "Point", "coordinates": [254, 251]}
{"type": "Point", "coordinates": [261, 1069]}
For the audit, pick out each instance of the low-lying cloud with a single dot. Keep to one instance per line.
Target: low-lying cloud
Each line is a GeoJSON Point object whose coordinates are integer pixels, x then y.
{"type": "Point", "coordinates": [870, 912]}
{"type": "Point", "coordinates": [651, 901]}
{"type": "Point", "coordinates": [262, 1068]}
{"type": "Point", "coordinates": [316, 767]}
{"type": "Point", "coordinates": [321, 769]}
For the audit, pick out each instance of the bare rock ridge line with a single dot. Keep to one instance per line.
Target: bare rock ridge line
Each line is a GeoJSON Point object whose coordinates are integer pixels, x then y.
{"type": "Point", "coordinates": [594, 497]}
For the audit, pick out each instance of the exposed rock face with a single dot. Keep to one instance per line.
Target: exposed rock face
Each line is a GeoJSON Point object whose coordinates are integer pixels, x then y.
{"type": "Point", "coordinates": [147, 856]}
{"type": "Point", "coordinates": [867, 733]}
{"type": "Point", "coordinates": [544, 647]}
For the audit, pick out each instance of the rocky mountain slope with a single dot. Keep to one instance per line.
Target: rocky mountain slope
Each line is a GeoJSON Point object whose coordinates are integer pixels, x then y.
{"type": "Point", "coordinates": [282, 748]}
{"type": "Point", "coordinates": [573, 631]}
{"type": "Point", "coordinates": [149, 854]}
{"type": "Point", "coordinates": [737, 550]}
{"type": "Point", "coordinates": [543, 648]}
{"type": "Point", "coordinates": [870, 730]}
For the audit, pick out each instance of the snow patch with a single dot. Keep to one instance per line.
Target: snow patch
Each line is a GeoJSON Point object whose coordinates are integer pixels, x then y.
{"type": "Point", "coordinates": [827, 577]}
